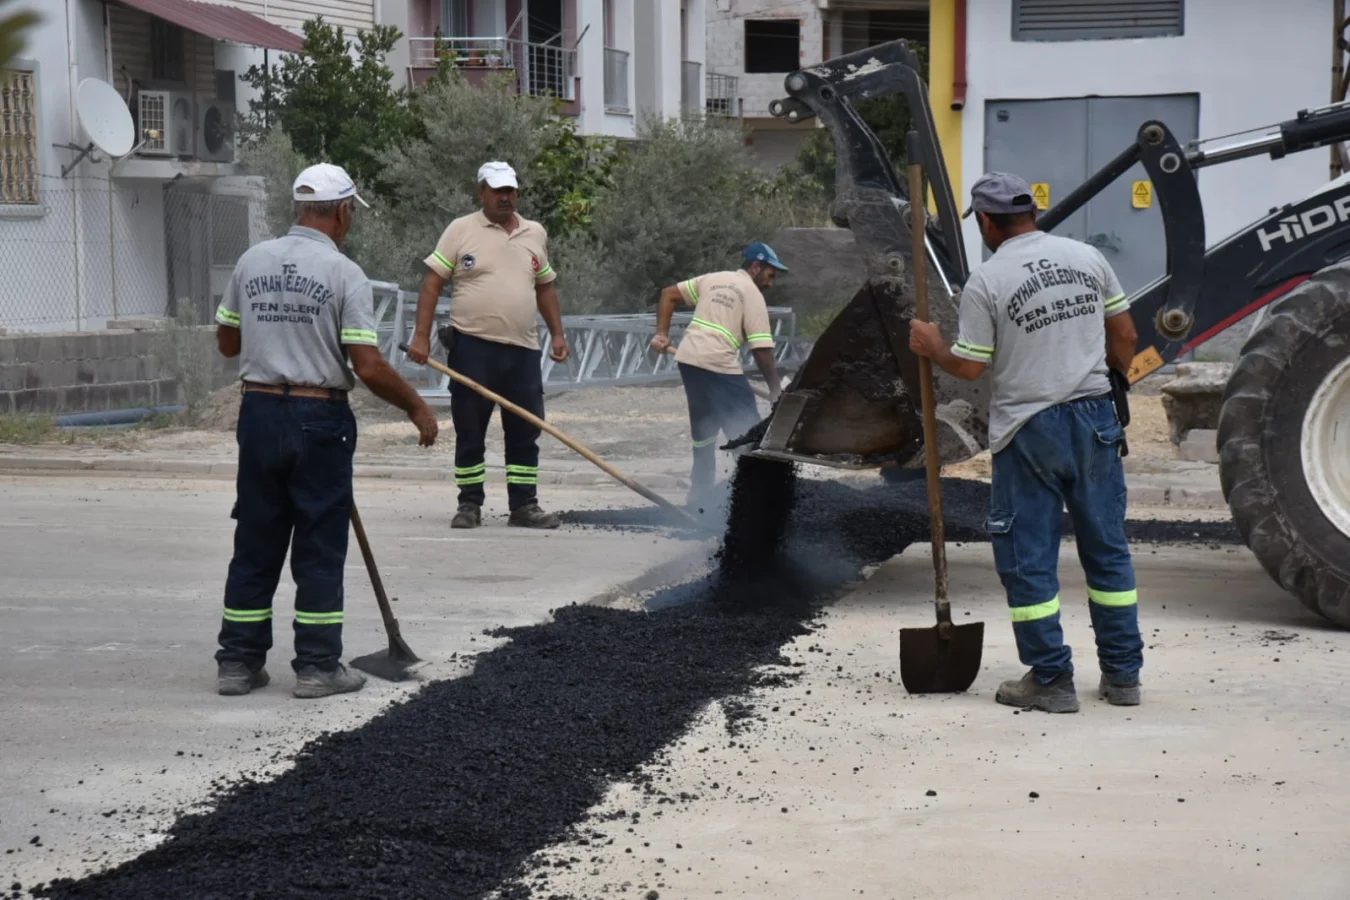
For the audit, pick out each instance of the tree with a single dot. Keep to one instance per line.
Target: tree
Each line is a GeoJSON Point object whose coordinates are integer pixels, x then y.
{"type": "Point", "coordinates": [14, 29]}
{"type": "Point", "coordinates": [334, 104]}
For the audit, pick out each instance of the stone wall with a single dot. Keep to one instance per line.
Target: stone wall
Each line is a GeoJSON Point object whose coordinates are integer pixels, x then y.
{"type": "Point", "coordinates": [105, 370]}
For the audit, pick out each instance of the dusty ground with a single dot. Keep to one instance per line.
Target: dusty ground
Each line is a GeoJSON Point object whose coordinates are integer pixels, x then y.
{"type": "Point", "coordinates": [647, 424]}
{"type": "Point", "coordinates": [1225, 783]}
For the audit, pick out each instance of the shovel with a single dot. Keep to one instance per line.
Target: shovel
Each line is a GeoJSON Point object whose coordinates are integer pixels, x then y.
{"type": "Point", "coordinates": [944, 659]}
{"type": "Point", "coordinates": [391, 664]}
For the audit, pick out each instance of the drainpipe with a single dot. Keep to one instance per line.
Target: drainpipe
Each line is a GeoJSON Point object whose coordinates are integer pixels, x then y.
{"type": "Point", "coordinates": [959, 70]}
{"type": "Point", "coordinates": [73, 74]}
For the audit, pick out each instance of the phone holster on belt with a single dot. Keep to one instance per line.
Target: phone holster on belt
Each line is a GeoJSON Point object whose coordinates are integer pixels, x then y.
{"type": "Point", "coordinates": [446, 334]}
{"type": "Point", "coordinates": [1120, 399]}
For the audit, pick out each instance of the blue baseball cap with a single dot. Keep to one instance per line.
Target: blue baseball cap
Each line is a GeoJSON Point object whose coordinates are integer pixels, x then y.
{"type": "Point", "coordinates": [762, 252]}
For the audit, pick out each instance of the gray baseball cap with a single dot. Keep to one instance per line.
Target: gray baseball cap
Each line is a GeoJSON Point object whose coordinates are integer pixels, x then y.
{"type": "Point", "coordinates": [1000, 192]}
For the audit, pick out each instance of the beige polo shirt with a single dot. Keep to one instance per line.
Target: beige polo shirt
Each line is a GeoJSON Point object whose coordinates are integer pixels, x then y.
{"type": "Point", "coordinates": [493, 275]}
{"type": "Point", "coordinates": [729, 313]}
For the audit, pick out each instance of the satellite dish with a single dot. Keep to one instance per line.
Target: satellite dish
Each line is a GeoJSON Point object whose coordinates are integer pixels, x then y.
{"type": "Point", "coordinates": [105, 117]}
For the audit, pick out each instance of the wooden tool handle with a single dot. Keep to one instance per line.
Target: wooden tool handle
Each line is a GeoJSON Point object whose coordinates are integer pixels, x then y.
{"type": "Point", "coordinates": [930, 439]}
{"type": "Point", "coordinates": [390, 623]}
{"type": "Point", "coordinates": [539, 423]}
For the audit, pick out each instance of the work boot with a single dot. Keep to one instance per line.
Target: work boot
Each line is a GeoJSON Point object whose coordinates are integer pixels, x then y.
{"type": "Point", "coordinates": [235, 679]}
{"type": "Point", "coordinates": [531, 516]}
{"type": "Point", "coordinates": [469, 515]}
{"type": "Point", "coordinates": [1119, 693]}
{"type": "Point", "coordinates": [311, 682]}
{"type": "Point", "coordinates": [1058, 696]}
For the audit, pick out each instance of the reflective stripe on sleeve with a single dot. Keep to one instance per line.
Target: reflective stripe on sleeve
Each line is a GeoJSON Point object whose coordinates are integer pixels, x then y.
{"type": "Point", "coordinates": [1036, 612]}
{"type": "Point", "coordinates": [692, 287]}
{"type": "Point", "coordinates": [1113, 598]}
{"type": "Point", "coordinates": [544, 272]}
{"type": "Point", "coordinates": [227, 317]}
{"type": "Point", "coordinates": [751, 338]}
{"type": "Point", "coordinates": [358, 336]}
{"type": "Point", "coordinates": [973, 351]}
{"type": "Point", "coordinates": [436, 255]}
{"type": "Point", "coordinates": [1116, 303]}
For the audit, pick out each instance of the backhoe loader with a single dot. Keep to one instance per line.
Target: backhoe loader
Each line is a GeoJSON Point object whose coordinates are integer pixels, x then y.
{"type": "Point", "coordinates": [1284, 429]}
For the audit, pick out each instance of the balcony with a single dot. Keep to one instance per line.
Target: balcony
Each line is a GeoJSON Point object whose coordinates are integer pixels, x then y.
{"type": "Point", "coordinates": [721, 97]}
{"type": "Point", "coordinates": [691, 86]}
{"type": "Point", "coordinates": [616, 81]}
{"type": "Point", "coordinates": [539, 70]}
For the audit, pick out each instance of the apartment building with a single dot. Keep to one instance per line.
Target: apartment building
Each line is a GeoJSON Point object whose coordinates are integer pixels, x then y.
{"type": "Point", "coordinates": [85, 239]}
{"type": "Point", "coordinates": [610, 62]}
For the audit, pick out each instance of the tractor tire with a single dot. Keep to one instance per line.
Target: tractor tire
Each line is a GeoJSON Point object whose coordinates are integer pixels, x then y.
{"type": "Point", "coordinates": [1284, 443]}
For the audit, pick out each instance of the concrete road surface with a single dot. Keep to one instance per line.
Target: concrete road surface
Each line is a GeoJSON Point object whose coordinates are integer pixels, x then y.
{"type": "Point", "coordinates": [1226, 783]}
{"type": "Point", "coordinates": [110, 599]}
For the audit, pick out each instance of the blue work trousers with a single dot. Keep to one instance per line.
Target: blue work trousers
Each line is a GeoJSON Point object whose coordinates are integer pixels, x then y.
{"type": "Point", "coordinates": [1067, 456]}
{"type": "Point", "coordinates": [294, 491]}
{"type": "Point", "coordinates": [717, 402]}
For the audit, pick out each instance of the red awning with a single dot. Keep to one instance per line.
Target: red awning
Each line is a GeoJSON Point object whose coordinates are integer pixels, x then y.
{"type": "Point", "coordinates": [221, 23]}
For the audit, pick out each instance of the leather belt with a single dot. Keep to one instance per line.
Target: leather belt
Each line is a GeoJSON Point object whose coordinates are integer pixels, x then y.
{"type": "Point", "coordinates": [297, 390]}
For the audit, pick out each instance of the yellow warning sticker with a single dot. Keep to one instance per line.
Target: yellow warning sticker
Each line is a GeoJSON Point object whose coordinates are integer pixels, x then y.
{"type": "Point", "coordinates": [1040, 192]}
{"type": "Point", "coordinates": [1141, 196]}
{"type": "Point", "coordinates": [1145, 363]}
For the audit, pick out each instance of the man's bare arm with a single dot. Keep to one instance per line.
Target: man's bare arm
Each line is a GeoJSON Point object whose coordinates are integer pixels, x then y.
{"type": "Point", "coordinates": [419, 348]}
{"type": "Point", "coordinates": [229, 340]}
{"type": "Point", "coordinates": [926, 340]}
{"type": "Point", "coordinates": [764, 360]}
{"type": "Point", "coordinates": [546, 299]}
{"type": "Point", "coordinates": [1121, 340]}
{"type": "Point", "coordinates": [389, 386]}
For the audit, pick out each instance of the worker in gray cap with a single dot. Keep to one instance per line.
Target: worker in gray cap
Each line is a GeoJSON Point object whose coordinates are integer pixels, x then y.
{"type": "Point", "coordinates": [1047, 317]}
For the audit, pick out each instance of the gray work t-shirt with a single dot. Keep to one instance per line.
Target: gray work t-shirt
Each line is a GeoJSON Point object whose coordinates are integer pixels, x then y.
{"type": "Point", "coordinates": [298, 302]}
{"type": "Point", "coordinates": [1036, 312]}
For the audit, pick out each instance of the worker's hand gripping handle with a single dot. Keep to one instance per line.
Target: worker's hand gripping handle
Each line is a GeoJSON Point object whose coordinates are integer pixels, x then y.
{"type": "Point", "coordinates": [918, 226]}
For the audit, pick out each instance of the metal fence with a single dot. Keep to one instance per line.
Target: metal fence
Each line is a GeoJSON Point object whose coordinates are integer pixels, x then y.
{"type": "Point", "coordinates": [540, 70]}
{"type": "Point", "coordinates": [721, 97]}
{"type": "Point", "coordinates": [93, 250]}
{"type": "Point", "coordinates": [616, 80]}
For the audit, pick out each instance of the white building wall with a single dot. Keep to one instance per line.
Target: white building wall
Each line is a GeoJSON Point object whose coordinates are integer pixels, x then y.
{"type": "Point", "coordinates": [350, 14]}
{"type": "Point", "coordinates": [1252, 63]}
{"type": "Point", "coordinates": [726, 45]}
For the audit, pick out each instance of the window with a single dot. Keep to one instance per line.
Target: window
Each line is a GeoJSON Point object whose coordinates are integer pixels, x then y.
{"type": "Point", "coordinates": [166, 51]}
{"type": "Point", "coordinates": [1088, 20]}
{"type": "Point", "coordinates": [773, 45]}
{"type": "Point", "coordinates": [455, 17]}
{"type": "Point", "coordinates": [18, 137]}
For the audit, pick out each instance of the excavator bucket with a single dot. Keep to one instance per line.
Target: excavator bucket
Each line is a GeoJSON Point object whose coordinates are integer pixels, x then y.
{"type": "Point", "coordinates": [854, 402]}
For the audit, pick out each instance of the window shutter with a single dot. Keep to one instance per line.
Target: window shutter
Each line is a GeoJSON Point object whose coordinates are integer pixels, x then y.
{"type": "Point", "coordinates": [1096, 20]}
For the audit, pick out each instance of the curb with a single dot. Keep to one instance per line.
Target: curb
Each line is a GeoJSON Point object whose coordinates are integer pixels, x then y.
{"type": "Point", "coordinates": [1177, 497]}
{"type": "Point", "coordinates": [34, 465]}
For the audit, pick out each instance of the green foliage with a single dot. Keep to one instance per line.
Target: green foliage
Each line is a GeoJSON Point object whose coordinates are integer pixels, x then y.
{"type": "Point", "coordinates": [889, 117]}
{"type": "Point", "coordinates": [334, 105]}
{"type": "Point", "coordinates": [274, 158]}
{"type": "Point", "coordinates": [683, 201]}
{"type": "Point", "coordinates": [14, 31]}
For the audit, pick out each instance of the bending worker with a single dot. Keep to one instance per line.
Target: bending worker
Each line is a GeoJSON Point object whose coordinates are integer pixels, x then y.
{"type": "Point", "coordinates": [729, 311]}
{"type": "Point", "coordinates": [498, 261]}
{"type": "Point", "coordinates": [300, 316]}
{"type": "Point", "coordinates": [1047, 316]}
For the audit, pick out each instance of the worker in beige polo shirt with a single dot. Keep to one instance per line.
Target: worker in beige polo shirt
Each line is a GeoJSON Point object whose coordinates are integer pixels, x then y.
{"type": "Point", "coordinates": [729, 313]}
{"type": "Point", "coordinates": [497, 264]}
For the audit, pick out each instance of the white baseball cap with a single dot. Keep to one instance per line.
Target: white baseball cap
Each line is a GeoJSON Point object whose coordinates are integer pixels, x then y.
{"type": "Point", "coordinates": [497, 175]}
{"type": "Point", "coordinates": [325, 182]}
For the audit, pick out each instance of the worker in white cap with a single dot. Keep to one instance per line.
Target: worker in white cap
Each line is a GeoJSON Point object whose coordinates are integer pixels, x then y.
{"type": "Point", "coordinates": [496, 262]}
{"type": "Point", "coordinates": [300, 317]}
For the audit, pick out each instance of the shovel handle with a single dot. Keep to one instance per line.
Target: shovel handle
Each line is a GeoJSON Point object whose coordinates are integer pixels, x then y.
{"type": "Point", "coordinates": [918, 215]}
{"type": "Point", "coordinates": [621, 477]}
{"type": "Point", "coordinates": [390, 623]}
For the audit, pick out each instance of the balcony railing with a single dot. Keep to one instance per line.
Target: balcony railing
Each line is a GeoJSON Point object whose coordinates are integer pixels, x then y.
{"type": "Point", "coordinates": [691, 85]}
{"type": "Point", "coordinates": [540, 69]}
{"type": "Point", "coordinates": [721, 99]}
{"type": "Point", "coordinates": [616, 81]}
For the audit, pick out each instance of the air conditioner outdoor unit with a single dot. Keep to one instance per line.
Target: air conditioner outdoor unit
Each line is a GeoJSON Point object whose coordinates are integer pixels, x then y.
{"type": "Point", "coordinates": [215, 129]}
{"type": "Point", "coordinates": [170, 113]}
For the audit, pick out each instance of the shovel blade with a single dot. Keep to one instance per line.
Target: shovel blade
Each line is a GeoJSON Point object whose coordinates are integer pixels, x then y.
{"type": "Point", "coordinates": [391, 665]}
{"type": "Point", "coordinates": [932, 664]}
